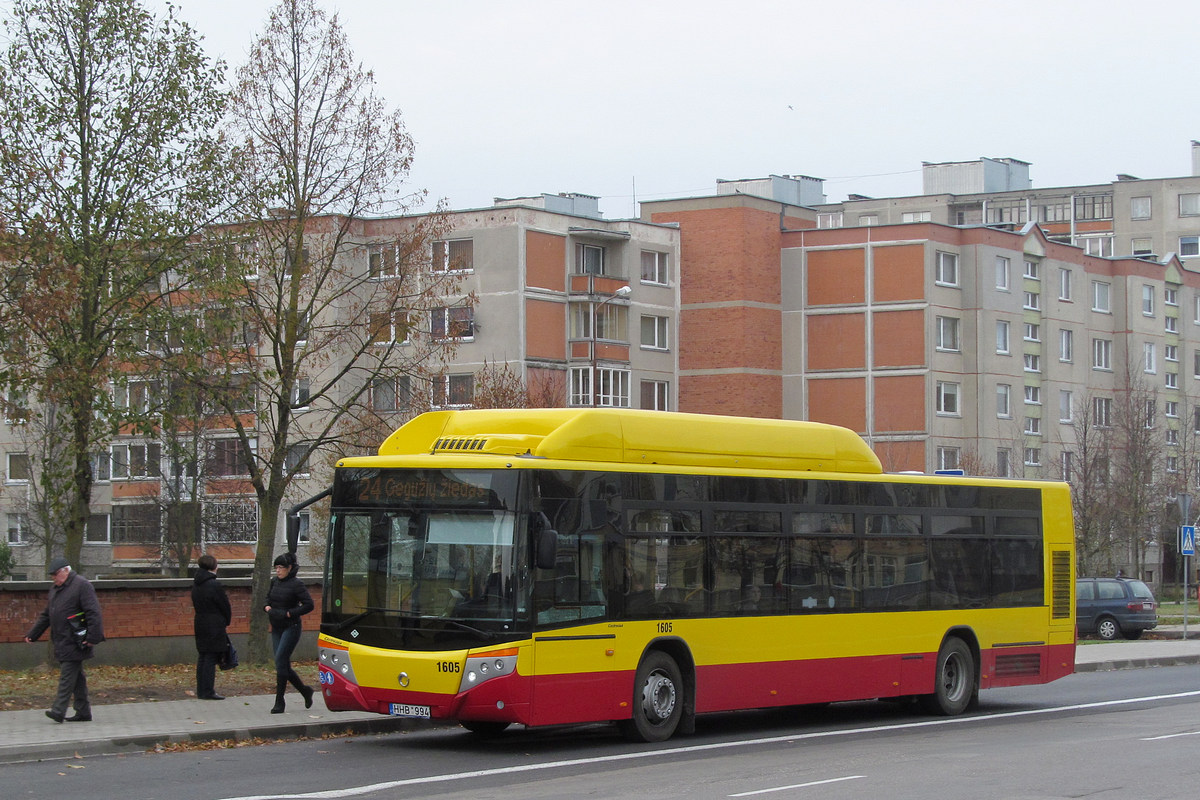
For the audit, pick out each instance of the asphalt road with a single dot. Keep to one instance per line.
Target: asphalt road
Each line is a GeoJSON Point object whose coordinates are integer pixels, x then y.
{"type": "Point", "coordinates": [1096, 735]}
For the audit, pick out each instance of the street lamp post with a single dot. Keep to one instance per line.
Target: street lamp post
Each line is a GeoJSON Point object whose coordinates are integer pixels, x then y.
{"type": "Point", "coordinates": [622, 291]}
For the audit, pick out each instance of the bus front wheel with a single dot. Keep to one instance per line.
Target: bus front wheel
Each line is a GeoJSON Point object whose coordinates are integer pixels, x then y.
{"type": "Point", "coordinates": [484, 727]}
{"type": "Point", "coordinates": [657, 700]}
{"type": "Point", "coordinates": [954, 685]}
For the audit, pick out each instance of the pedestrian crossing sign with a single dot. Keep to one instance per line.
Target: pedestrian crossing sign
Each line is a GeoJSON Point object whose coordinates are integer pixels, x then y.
{"type": "Point", "coordinates": [1187, 540]}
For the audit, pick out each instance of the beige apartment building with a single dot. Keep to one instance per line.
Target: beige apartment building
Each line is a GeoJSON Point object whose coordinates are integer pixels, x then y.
{"type": "Point", "coordinates": [582, 309]}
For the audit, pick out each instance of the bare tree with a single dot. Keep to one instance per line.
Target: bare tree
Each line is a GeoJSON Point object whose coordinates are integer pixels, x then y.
{"type": "Point", "coordinates": [337, 307]}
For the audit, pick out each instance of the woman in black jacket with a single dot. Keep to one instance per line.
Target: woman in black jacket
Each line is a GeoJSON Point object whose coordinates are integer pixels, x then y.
{"type": "Point", "coordinates": [287, 601]}
{"type": "Point", "coordinates": [213, 616]}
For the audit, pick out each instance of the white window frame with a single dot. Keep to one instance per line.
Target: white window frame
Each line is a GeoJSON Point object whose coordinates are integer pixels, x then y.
{"type": "Point", "coordinates": [1004, 401]}
{"type": "Point", "coordinates": [948, 458]}
{"type": "Point", "coordinates": [1033, 456]}
{"type": "Point", "coordinates": [1032, 271]}
{"type": "Point", "coordinates": [949, 399]}
{"type": "Point", "coordinates": [1033, 332]}
{"type": "Point", "coordinates": [1189, 204]}
{"type": "Point", "coordinates": [947, 334]}
{"type": "Point", "coordinates": [1149, 358]}
{"type": "Point", "coordinates": [1064, 285]}
{"type": "Point", "coordinates": [1033, 301]}
{"type": "Point", "coordinates": [1171, 380]}
{"type": "Point", "coordinates": [1066, 405]}
{"type": "Point", "coordinates": [1102, 297]}
{"type": "Point", "coordinates": [1032, 362]}
{"type": "Point", "coordinates": [946, 271]}
{"type": "Point", "coordinates": [1033, 426]}
{"type": "Point", "coordinates": [1102, 354]}
{"type": "Point", "coordinates": [1189, 246]}
{"type": "Point", "coordinates": [1171, 324]}
{"type": "Point", "coordinates": [1003, 266]}
{"type": "Point", "coordinates": [656, 268]}
{"type": "Point", "coordinates": [1147, 300]}
{"type": "Point", "coordinates": [657, 330]}
{"type": "Point", "coordinates": [1033, 395]}
{"type": "Point", "coordinates": [1140, 207]}
{"type": "Point", "coordinates": [1066, 345]}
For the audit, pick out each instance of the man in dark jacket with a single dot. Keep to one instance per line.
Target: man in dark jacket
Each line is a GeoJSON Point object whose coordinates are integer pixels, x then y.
{"type": "Point", "coordinates": [73, 616]}
{"type": "Point", "coordinates": [213, 616]}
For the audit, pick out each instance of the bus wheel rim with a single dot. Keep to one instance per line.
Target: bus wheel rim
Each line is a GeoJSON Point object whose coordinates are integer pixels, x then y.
{"type": "Point", "coordinates": [658, 697]}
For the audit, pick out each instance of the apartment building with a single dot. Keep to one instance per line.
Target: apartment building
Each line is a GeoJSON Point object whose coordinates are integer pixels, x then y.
{"type": "Point", "coordinates": [582, 309]}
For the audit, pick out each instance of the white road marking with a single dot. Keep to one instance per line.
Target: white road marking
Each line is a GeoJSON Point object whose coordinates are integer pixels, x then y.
{"type": "Point", "coordinates": [354, 791]}
{"type": "Point", "coordinates": [1170, 736]}
{"type": "Point", "coordinates": [799, 786]}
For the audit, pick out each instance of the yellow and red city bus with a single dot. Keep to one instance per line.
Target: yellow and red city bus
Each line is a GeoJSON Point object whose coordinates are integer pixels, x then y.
{"type": "Point", "coordinates": [557, 566]}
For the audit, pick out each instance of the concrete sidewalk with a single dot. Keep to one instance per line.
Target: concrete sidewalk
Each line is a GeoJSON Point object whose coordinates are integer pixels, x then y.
{"type": "Point", "coordinates": [137, 727]}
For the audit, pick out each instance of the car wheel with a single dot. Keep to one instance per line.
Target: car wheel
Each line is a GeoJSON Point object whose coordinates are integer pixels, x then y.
{"type": "Point", "coordinates": [657, 700]}
{"type": "Point", "coordinates": [1106, 629]}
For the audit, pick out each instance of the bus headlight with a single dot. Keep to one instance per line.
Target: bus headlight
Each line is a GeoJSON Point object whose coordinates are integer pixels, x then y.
{"type": "Point", "coordinates": [337, 661]}
{"type": "Point", "coordinates": [483, 668]}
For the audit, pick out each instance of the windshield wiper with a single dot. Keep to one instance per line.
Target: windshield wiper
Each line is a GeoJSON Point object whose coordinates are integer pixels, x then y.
{"type": "Point", "coordinates": [369, 610]}
{"type": "Point", "coordinates": [463, 625]}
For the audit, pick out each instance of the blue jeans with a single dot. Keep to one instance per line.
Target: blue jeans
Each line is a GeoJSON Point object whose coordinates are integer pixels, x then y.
{"type": "Point", "coordinates": [283, 643]}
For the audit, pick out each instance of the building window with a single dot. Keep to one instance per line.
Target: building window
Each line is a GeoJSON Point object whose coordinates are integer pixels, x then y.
{"type": "Point", "coordinates": [1142, 247]}
{"type": "Point", "coordinates": [1033, 301]}
{"type": "Point", "coordinates": [1067, 464]}
{"type": "Point", "coordinates": [1096, 245]}
{"type": "Point", "coordinates": [1033, 395]}
{"type": "Point", "coordinates": [947, 458]}
{"type": "Point", "coordinates": [916, 216]}
{"type": "Point", "coordinates": [1171, 352]}
{"type": "Point", "coordinates": [1033, 457]}
{"type": "Point", "coordinates": [20, 468]}
{"type": "Point", "coordinates": [235, 521]}
{"type": "Point", "coordinates": [301, 393]}
{"type": "Point", "coordinates": [1149, 414]}
{"type": "Point", "coordinates": [227, 457]}
{"type": "Point", "coordinates": [831, 219]}
{"type": "Point", "coordinates": [1172, 380]}
{"type": "Point", "coordinates": [589, 259]}
{"type": "Point", "coordinates": [137, 523]}
{"type": "Point", "coordinates": [947, 334]}
{"type": "Point", "coordinates": [453, 322]}
{"type": "Point", "coordinates": [1171, 324]}
{"type": "Point", "coordinates": [1066, 411]}
{"type": "Point", "coordinates": [137, 396]}
{"type": "Point", "coordinates": [295, 461]}
{"type": "Point", "coordinates": [390, 394]}
{"type": "Point", "coordinates": [613, 387]}
{"type": "Point", "coordinates": [1196, 364]}
{"type": "Point", "coordinates": [1139, 208]}
{"type": "Point", "coordinates": [1172, 437]}
{"type": "Point", "coordinates": [1066, 345]}
{"type": "Point", "coordinates": [1033, 426]}
{"type": "Point", "coordinates": [868, 220]}
{"type": "Point", "coordinates": [1064, 285]}
{"type": "Point", "coordinates": [99, 529]}
{"type": "Point", "coordinates": [947, 398]}
{"type": "Point", "coordinates": [654, 268]}
{"type": "Point", "coordinates": [1102, 411]}
{"type": "Point", "coordinates": [1101, 354]}
{"type": "Point", "coordinates": [1059, 211]}
{"type": "Point", "coordinates": [454, 390]}
{"type": "Point", "coordinates": [1171, 408]}
{"type": "Point", "coordinates": [18, 527]}
{"type": "Point", "coordinates": [947, 269]}
{"type": "Point", "coordinates": [1002, 328]}
{"type": "Point", "coordinates": [1149, 358]}
{"type": "Point", "coordinates": [1003, 462]}
{"type": "Point", "coordinates": [1002, 267]}
{"type": "Point", "coordinates": [381, 261]}
{"type": "Point", "coordinates": [454, 255]}
{"type": "Point", "coordinates": [1097, 206]}
{"type": "Point", "coordinates": [1172, 463]}
{"type": "Point", "coordinates": [655, 395]}
{"type": "Point", "coordinates": [1003, 400]}
{"type": "Point", "coordinates": [1032, 271]}
{"type": "Point", "coordinates": [141, 460]}
{"type": "Point", "coordinates": [1005, 212]}
{"type": "Point", "coordinates": [1033, 332]}
{"type": "Point", "coordinates": [389, 327]}
{"type": "Point", "coordinates": [654, 333]}
{"type": "Point", "coordinates": [1101, 297]}
{"type": "Point", "coordinates": [1189, 205]}
{"type": "Point", "coordinates": [1147, 300]}
{"type": "Point", "coordinates": [1170, 296]}
{"type": "Point", "coordinates": [1189, 246]}
{"type": "Point", "coordinates": [1033, 362]}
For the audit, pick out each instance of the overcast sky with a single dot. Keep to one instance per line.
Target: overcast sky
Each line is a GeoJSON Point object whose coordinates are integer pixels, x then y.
{"type": "Point", "coordinates": [647, 99]}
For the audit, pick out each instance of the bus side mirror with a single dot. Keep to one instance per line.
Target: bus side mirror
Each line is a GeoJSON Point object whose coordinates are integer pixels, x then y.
{"type": "Point", "coordinates": [293, 532]}
{"type": "Point", "coordinates": [545, 544]}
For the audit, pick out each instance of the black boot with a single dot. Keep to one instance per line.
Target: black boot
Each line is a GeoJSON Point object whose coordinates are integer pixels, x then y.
{"type": "Point", "coordinates": [305, 691]}
{"type": "Point", "coordinates": [280, 688]}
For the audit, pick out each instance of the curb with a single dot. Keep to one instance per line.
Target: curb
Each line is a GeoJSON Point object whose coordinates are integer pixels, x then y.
{"type": "Point", "coordinates": [125, 745]}
{"type": "Point", "coordinates": [1137, 663]}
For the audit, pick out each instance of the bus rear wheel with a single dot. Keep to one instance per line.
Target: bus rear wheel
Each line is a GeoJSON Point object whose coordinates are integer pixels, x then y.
{"type": "Point", "coordinates": [954, 680]}
{"type": "Point", "coordinates": [657, 700]}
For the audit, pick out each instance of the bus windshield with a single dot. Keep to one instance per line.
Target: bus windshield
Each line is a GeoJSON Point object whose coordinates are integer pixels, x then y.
{"type": "Point", "coordinates": [421, 568]}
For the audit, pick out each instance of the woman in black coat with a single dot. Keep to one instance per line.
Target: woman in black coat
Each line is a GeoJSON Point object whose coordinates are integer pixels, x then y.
{"type": "Point", "coordinates": [213, 616]}
{"type": "Point", "coordinates": [287, 601]}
